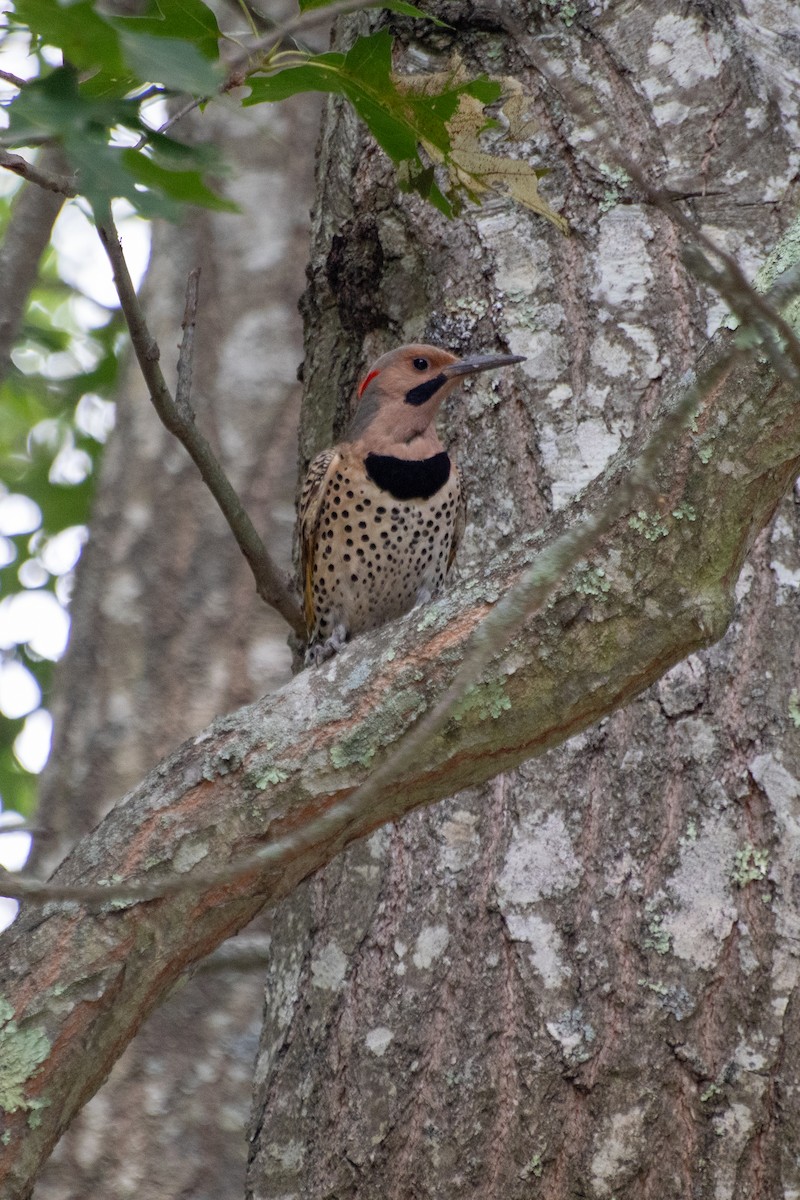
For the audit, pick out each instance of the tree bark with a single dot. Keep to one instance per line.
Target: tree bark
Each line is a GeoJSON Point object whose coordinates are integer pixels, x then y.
{"type": "Point", "coordinates": [579, 980]}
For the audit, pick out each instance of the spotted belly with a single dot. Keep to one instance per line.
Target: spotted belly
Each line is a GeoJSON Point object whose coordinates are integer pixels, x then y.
{"type": "Point", "coordinates": [377, 555]}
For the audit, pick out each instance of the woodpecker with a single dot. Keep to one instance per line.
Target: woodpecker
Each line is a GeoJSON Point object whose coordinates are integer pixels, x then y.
{"type": "Point", "coordinates": [381, 513]}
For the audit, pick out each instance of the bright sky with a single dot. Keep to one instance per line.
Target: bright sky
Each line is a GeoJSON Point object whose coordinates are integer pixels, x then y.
{"type": "Point", "coordinates": [34, 615]}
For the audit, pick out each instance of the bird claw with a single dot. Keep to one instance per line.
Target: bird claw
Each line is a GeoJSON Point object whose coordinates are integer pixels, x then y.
{"type": "Point", "coordinates": [321, 651]}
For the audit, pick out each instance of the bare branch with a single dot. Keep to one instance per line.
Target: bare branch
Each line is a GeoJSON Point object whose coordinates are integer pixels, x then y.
{"type": "Point", "coordinates": [272, 585]}
{"type": "Point", "coordinates": [63, 184]}
{"type": "Point", "coordinates": [251, 59]}
{"type": "Point", "coordinates": [183, 390]}
{"type": "Point", "coordinates": [15, 80]}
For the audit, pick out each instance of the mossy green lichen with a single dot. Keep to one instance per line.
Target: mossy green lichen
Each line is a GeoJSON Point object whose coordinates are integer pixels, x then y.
{"type": "Point", "coordinates": [657, 937]}
{"type": "Point", "coordinates": [750, 865]}
{"type": "Point", "coordinates": [685, 512]}
{"type": "Point", "coordinates": [617, 180]}
{"type": "Point", "coordinates": [360, 748]}
{"type": "Point", "coordinates": [653, 985]}
{"type": "Point", "coordinates": [485, 700]}
{"type": "Point", "coordinates": [533, 1167]}
{"type": "Point", "coordinates": [593, 582]}
{"type": "Point", "coordinates": [565, 10]}
{"type": "Point", "coordinates": [433, 615]}
{"type": "Point", "coordinates": [650, 525]}
{"type": "Point", "coordinates": [270, 778]}
{"type": "Point", "coordinates": [785, 255]}
{"type": "Point", "coordinates": [21, 1052]}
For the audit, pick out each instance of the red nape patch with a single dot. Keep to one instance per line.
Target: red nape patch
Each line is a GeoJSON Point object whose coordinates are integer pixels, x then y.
{"type": "Point", "coordinates": [368, 380]}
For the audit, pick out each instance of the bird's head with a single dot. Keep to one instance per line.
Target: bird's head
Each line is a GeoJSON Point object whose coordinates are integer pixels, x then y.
{"type": "Point", "coordinates": [401, 393]}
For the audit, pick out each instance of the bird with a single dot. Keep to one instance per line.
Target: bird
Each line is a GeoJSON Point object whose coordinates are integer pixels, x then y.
{"type": "Point", "coordinates": [382, 512]}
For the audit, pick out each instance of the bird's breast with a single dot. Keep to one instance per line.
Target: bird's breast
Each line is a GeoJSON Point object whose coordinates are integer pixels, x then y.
{"type": "Point", "coordinates": [408, 478]}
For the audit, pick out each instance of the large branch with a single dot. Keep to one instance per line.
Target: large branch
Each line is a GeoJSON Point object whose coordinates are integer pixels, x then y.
{"type": "Point", "coordinates": [659, 586]}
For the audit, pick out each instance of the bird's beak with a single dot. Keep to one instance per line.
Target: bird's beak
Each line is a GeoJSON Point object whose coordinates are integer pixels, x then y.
{"type": "Point", "coordinates": [481, 362]}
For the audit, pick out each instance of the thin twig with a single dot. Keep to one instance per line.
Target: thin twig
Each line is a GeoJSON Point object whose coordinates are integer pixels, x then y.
{"type": "Point", "coordinates": [52, 183]}
{"type": "Point", "coordinates": [183, 389]}
{"type": "Point", "coordinates": [250, 59]}
{"type": "Point", "coordinates": [14, 80]}
{"type": "Point", "coordinates": [272, 585]}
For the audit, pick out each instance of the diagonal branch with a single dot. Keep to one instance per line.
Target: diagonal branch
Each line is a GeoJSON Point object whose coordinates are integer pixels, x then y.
{"type": "Point", "coordinates": [272, 585]}
{"type": "Point", "coordinates": [527, 597]}
{"type": "Point", "coordinates": [76, 983]}
{"type": "Point", "coordinates": [64, 185]}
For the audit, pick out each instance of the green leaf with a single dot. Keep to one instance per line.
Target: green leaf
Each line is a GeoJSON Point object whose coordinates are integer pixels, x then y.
{"type": "Point", "coordinates": [85, 37]}
{"type": "Point", "coordinates": [189, 20]}
{"type": "Point", "coordinates": [177, 64]}
{"type": "Point", "coordinates": [320, 74]}
{"type": "Point", "coordinates": [53, 107]}
{"type": "Point", "coordinates": [186, 186]}
{"type": "Point", "coordinates": [103, 175]}
{"type": "Point", "coordinates": [364, 76]}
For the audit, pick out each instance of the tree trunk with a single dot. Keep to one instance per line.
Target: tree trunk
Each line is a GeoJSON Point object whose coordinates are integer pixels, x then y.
{"type": "Point", "coordinates": [167, 632]}
{"type": "Point", "coordinates": [580, 980]}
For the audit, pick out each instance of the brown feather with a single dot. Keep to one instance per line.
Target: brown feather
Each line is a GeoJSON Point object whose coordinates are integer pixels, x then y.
{"type": "Point", "coordinates": [461, 521]}
{"type": "Point", "coordinates": [308, 512]}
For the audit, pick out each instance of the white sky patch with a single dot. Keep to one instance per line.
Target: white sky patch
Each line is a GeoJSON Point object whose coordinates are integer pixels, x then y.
{"type": "Point", "coordinates": [61, 552]}
{"type": "Point", "coordinates": [82, 262]}
{"type": "Point", "coordinates": [95, 416]}
{"type": "Point", "coordinates": [14, 851]}
{"type": "Point", "coordinates": [18, 514]}
{"type": "Point", "coordinates": [32, 744]}
{"type": "Point", "coordinates": [19, 691]}
{"type": "Point", "coordinates": [35, 619]}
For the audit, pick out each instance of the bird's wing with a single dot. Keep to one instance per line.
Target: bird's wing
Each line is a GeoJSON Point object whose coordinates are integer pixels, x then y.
{"type": "Point", "coordinates": [314, 486]}
{"type": "Point", "coordinates": [461, 521]}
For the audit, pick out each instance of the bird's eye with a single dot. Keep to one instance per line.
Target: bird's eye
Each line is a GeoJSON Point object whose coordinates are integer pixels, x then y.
{"type": "Point", "coordinates": [421, 364]}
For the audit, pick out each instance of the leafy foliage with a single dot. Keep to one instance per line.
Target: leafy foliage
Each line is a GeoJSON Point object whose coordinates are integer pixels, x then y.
{"type": "Point", "coordinates": [49, 446]}
{"type": "Point", "coordinates": [96, 105]}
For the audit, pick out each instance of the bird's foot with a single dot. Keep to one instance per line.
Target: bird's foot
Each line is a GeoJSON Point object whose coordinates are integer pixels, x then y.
{"type": "Point", "coordinates": [319, 652]}
{"type": "Point", "coordinates": [424, 596]}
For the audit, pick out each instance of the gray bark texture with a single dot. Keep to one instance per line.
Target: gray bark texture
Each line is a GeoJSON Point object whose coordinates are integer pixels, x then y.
{"type": "Point", "coordinates": [581, 979]}
{"type": "Point", "coordinates": [167, 632]}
